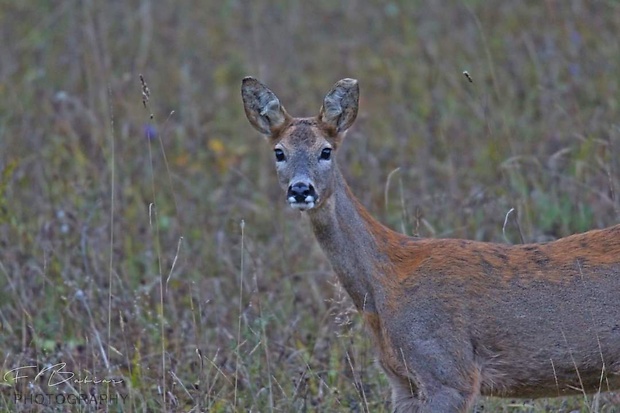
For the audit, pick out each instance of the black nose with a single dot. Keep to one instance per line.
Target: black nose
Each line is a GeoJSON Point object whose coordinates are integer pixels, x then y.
{"type": "Point", "coordinates": [300, 191]}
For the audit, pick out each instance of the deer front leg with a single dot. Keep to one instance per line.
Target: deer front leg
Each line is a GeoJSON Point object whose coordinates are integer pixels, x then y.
{"type": "Point", "coordinates": [436, 374]}
{"type": "Point", "coordinates": [433, 397]}
{"type": "Point", "coordinates": [442, 400]}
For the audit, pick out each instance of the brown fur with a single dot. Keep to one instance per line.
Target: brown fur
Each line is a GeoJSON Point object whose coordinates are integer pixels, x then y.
{"type": "Point", "coordinates": [452, 319]}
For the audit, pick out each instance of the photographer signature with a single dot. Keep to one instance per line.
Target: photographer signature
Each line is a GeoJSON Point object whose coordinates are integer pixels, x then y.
{"type": "Point", "coordinates": [58, 375]}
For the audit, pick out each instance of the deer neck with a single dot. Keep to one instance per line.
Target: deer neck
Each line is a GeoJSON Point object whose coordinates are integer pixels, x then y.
{"type": "Point", "coordinates": [350, 238]}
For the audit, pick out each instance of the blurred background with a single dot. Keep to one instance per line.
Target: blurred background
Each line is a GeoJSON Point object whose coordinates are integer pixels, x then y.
{"type": "Point", "coordinates": [144, 237]}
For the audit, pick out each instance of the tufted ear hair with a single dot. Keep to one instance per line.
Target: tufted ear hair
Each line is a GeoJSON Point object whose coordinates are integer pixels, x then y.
{"type": "Point", "coordinates": [262, 106]}
{"type": "Point", "coordinates": [340, 105]}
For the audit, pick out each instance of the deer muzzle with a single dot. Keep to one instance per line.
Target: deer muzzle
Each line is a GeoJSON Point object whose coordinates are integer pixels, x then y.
{"type": "Point", "coordinates": [302, 196]}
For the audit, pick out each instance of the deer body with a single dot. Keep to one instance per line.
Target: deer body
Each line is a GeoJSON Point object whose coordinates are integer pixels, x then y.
{"type": "Point", "coordinates": [451, 319]}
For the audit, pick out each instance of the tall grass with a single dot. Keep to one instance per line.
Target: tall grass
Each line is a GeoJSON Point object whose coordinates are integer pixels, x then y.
{"type": "Point", "coordinates": [120, 245]}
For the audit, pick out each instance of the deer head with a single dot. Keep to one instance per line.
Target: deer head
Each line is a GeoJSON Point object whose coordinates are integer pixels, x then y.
{"type": "Point", "coordinates": [304, 148]}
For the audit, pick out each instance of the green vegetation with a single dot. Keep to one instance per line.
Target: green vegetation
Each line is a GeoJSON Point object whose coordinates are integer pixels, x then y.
{"type": "Point", "coordinates": [121, 247]}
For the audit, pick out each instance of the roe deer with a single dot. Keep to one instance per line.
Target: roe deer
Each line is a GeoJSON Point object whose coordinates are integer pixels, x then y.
{"type": "Point", "coordinates": [451, 319]}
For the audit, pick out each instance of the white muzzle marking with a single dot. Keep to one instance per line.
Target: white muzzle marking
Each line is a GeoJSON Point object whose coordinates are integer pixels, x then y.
{"type": "Point", "coordinates": [308, 203]}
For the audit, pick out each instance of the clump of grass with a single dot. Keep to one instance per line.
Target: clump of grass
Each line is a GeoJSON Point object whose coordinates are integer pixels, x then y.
{"type": "Point", "coordinates": [121, 252]}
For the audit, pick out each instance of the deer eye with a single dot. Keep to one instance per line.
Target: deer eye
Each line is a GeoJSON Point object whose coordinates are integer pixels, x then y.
{"type": "Point", "coordinates": [279, 155]}
{"type": "Point", "coordinates": [326, 154]}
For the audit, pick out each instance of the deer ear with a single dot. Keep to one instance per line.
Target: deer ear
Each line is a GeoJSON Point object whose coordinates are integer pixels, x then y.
{"type": "Point", "coordinates": [340, 105]}
{"type": "Point", "coordinates": [262, 106]}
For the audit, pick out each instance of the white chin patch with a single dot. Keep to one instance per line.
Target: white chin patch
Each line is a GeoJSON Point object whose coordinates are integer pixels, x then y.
{"type": "Point", "coordinates": [302, 206]}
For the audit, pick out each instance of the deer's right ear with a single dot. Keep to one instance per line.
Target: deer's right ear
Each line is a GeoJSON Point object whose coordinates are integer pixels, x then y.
{"type": "Point", "coordinates": [262, 106]}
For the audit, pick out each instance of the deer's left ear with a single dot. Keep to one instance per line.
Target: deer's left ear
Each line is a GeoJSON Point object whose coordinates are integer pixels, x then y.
{"type": "Point", "coordinates": [340, 105]}
{"type": "Point", "coordinates": [262, 106]}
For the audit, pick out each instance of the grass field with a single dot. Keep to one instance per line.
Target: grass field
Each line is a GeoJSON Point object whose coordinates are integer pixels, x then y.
{"type": "Point", "coordinates": [144, 240]}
